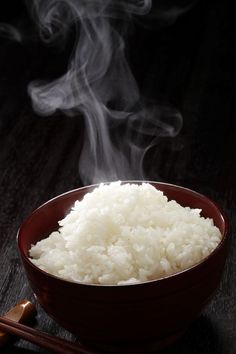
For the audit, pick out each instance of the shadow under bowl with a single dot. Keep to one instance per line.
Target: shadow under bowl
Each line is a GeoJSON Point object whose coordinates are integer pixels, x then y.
{"type": "Point", "coordinates": [134, 318]}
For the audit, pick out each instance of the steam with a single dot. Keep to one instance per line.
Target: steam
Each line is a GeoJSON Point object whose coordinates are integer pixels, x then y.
{"type": "Point", "coordinates": [166, 12]}
{"type": "Point", "coordinates": [10, 32]}
{"type": "Point", "coordinates": [99, 85]}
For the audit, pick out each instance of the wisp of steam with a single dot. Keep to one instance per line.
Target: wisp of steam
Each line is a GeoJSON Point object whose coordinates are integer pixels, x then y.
{"type": "Point", "coordinates": [10, 32]}
{"type": "Point", "coordinates": [99, 85]}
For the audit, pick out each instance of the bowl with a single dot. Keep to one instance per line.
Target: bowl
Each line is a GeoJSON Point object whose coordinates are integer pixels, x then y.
{"type": "Point", "coordinates": [132, 318]}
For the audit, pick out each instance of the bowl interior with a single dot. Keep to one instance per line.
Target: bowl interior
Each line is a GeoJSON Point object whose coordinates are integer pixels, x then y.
{"type": "Point", "coordinates": [45, 219]}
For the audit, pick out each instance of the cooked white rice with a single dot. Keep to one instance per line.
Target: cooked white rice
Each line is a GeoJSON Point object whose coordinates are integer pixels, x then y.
{"type": "Point", "coordinates": [126, 233]}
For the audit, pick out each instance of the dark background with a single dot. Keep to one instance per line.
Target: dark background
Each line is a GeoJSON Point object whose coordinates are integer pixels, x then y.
{"type": "Point", "coordinates": [188, 62]}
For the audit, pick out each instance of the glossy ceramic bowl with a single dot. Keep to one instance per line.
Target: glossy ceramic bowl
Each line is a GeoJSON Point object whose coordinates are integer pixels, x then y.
{"type": "Point", "coordinates": [130, 318]}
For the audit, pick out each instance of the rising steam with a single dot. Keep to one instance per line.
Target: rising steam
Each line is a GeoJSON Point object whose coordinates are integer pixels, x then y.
{"type": "Point", "coordinates": [10, 32]}
{"type": "Point", "coordinates": [99, 84]}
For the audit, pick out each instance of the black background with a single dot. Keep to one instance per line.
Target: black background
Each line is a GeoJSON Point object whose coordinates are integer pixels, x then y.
{"type": "Point", "coordinates": [188, 62]}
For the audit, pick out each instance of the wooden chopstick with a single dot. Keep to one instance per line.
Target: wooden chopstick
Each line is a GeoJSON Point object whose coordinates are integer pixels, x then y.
{"type": "Point", "coordinates": [42, 339]}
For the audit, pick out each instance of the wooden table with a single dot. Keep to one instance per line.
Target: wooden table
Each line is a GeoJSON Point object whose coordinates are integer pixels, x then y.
{"type": "Point", "coordinates": [190, 63]}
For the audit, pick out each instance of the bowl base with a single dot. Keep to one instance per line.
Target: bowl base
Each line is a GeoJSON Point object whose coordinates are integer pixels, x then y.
{"type": "Point", "coordinates": [136, 348]}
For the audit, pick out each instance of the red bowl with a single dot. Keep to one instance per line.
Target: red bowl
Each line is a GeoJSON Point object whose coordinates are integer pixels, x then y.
{"type": "Point", "coordinates": [131, 318]}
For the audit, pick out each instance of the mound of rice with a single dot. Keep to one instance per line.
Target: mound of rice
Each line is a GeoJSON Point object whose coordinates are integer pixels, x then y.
{"type": "Point", "coordinates": [126, 233]}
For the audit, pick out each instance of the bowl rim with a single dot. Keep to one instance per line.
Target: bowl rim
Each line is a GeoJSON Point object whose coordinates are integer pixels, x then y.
{"type": "Point", "coordinates": [139, 283]}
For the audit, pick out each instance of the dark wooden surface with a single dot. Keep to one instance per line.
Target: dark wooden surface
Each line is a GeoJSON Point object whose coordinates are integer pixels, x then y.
{"type": "Point", "coordinates": [190, 63]}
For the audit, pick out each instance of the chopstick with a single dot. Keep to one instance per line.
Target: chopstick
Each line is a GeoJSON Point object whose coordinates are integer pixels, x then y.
{"type": "Point", "coordinates": [42, 339]}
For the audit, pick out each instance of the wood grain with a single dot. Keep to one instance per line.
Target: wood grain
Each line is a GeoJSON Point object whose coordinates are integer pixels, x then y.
{"type": "Point", "coordinates": [42, 339]}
